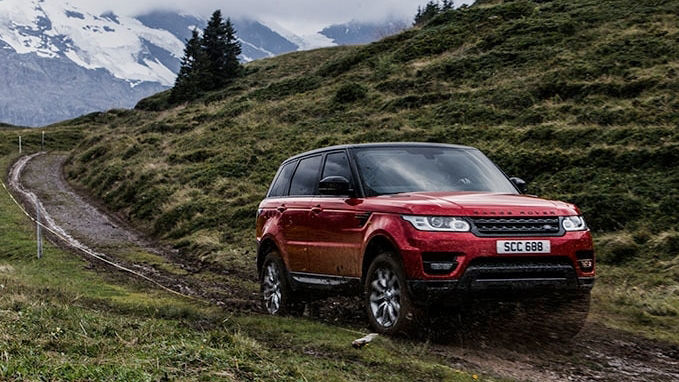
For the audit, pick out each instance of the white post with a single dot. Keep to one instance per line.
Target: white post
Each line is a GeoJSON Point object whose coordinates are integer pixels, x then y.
{"type": "Point", "coordinates": [39, 230]}
{"type": "Point", "coordinates": [42, 142]}
{"type": "Point", "coordinates": [19, 144]}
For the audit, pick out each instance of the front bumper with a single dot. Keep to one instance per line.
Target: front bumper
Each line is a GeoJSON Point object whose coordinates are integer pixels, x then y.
{"type": "Point", "coordinates": [426, 292]}
{"type": "Point", "coordinates": [468, 248]}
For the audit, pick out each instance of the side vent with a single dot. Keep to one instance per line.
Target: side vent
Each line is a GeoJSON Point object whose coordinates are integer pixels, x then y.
{"type": "Point", "coordinates": [362, 218]}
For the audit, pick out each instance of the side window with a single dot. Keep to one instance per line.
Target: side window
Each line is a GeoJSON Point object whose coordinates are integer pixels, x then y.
{"type": "Point", "coordinates": [337, 164]}
{"type": "Point", "coordinates": [280, 186]}
{"type": "Point", "coordinates": [306, 177]}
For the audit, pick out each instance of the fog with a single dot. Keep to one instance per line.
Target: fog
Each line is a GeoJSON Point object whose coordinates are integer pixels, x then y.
{"type": "Point", "coordinates": [299, 16]}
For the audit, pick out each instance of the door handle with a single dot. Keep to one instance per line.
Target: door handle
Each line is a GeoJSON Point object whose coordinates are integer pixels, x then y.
{"type": "Point", "coordinates": [316, 209]}
{"type": "Point", "coordinates": [281, 208]}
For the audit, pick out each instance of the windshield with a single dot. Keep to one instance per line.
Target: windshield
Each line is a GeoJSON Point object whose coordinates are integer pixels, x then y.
{"type": "Point", "coordinates": [393, 170]}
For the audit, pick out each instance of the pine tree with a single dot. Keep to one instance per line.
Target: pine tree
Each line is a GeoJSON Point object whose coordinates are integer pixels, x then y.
{"type": "Point", "coordinates": [188, 83]}
{"type": "Point", "coordinates": [214, 45]}
{"type": "Point", "coordinates": [222, 49]}
{"type": "Point", "coordinates": [232, 66]}
{"type": "Point", "coordinates": [209, 61]}
{"type": "Point", "coordinates": [430, 10]}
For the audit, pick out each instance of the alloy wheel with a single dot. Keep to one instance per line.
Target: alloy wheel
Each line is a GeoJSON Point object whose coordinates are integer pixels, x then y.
{"type": "Point", "coordinates": [385, 297]}
{"type": "Point", "coordinates": [271, 290]}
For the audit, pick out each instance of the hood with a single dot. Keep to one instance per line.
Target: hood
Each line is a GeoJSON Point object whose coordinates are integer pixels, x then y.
{"type": "Point", "coordinates": [468, 204]}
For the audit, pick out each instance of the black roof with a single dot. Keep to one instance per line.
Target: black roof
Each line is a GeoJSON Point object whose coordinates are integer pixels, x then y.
{"type": "Point", "coordinates": [381, 144]}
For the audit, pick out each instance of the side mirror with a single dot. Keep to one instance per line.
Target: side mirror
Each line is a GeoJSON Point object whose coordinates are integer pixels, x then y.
{"type": "Point", "coordinates": [334, 185]}
{"type": "Point", "coordinates": [520, 184]}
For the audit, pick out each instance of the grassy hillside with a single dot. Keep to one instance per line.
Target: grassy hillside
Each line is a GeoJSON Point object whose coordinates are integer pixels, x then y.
{"type": "Point", "coordinates": [576, 96]}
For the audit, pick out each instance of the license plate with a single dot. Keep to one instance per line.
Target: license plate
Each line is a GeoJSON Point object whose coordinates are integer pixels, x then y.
{"type": "Point", "coordinates": [523, 246]}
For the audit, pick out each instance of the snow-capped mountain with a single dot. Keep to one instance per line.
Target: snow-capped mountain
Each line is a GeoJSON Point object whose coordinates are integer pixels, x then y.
{"type": "Point", "coordinates": [58, 61]}
{"type": "Point", "coordinates": [121, 45]}
{"type": "Point", "coordinates": [355, 32]}
{"type": "Point", "coordinates": [257, 40]}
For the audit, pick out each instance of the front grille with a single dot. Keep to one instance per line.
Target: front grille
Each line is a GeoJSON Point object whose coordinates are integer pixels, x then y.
{"type": "Point", "coordinates": [532, 271]}
{"type": "Point", "coordinates": [534, 226]}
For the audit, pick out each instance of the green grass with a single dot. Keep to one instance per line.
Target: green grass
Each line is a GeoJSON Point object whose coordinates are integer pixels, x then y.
{"type": "Point", "coordinates": [63, 320]}
{"type": "Point", "coordinates": [638, 283]}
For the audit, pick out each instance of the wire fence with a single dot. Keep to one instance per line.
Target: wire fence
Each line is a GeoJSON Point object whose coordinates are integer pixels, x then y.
{"type": "Point", "coordinates": [59, 233]}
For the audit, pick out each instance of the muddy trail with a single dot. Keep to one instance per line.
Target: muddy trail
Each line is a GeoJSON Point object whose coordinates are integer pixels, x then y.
{"type": "Point", "coordinates": [501, 348]}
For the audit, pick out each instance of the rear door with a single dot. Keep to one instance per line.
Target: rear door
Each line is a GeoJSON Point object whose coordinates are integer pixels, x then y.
{"type": "Point", "coordinates": [296, 212]}
{"type": "Point", "coordinates": [335, 242]}
{"type": "Point", "coordinates": [272, 215]}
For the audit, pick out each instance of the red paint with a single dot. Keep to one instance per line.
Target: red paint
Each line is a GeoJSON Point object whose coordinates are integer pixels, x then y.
{"type": "Point", "coordinates": [321, 234]}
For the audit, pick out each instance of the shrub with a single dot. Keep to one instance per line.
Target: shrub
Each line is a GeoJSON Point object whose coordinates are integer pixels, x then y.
{"type": "Point", "coordinates": [667, 244]}
{"type": "Point", "coordinates": [350, 92]}
{"type": "Point", "coordinates": [158, 102]}
{"type": "Point", "coordinates": [617, 249]}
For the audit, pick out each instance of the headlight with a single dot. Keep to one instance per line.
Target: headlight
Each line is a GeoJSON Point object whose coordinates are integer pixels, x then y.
{"type": "Point", "coordinates": [574, 223]}
{"type": "Point", "coordinates": [438, 223]}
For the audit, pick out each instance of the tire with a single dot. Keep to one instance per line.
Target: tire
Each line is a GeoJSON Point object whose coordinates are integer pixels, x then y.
{"type": "Point", "coordinates": [278, 298]}
{"type": "Point", "coordinates": [388, 304]}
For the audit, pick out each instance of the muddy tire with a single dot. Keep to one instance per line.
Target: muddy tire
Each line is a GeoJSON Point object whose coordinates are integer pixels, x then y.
{"type": "Point", "coordinates": [278, 298]}
{"type": "Point", "coordinates": [388, 304]}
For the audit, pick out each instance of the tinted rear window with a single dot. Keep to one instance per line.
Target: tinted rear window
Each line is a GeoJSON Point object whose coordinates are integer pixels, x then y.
{"type": "Point", "coordinates": [306, 177]}
{"type": "Point", "coordinates": [280, 186]}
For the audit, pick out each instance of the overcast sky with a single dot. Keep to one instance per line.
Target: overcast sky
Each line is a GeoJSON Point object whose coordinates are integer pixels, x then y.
{"type": "Point", "coordinates": [299, 16]}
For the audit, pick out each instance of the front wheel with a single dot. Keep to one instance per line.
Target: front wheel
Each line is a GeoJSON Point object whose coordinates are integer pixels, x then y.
{"type": "Point", "coordinates": [387, 301]}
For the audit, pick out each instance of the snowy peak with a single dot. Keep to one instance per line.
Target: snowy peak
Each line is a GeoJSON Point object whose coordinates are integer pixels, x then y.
{"type": "Point", "coordinates": [122, 45]}
{"type": "Point", "coordinates": [355, 32]}
{"type": "Point", "coordinates": [257, 39]}
{"type": "Point", "coordinates": [306, 42]}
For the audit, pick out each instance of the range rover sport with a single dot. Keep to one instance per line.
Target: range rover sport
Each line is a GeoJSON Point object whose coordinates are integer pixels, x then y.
{"type": "Point", "coordinates": [410, 225]}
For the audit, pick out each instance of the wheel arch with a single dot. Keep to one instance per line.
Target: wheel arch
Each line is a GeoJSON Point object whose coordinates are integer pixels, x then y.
{"type": "Point", "coordinates": [267, 245]}
{"type": "Point", "coordinates": [376, 245]}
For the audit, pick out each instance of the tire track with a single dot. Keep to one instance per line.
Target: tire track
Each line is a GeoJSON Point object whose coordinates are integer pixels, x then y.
{"type": "Point", "coordinates": [64, 202]}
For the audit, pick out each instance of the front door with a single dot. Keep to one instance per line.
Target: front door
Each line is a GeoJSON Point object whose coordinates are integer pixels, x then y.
{"type": "Point", "coordinates": [335, 243]}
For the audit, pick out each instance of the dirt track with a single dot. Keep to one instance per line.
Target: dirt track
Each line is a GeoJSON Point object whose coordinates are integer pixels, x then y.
{"type": "Point", "coordinates": [86, 226]}
{"type": "Point", "coordinates": [598, 353]}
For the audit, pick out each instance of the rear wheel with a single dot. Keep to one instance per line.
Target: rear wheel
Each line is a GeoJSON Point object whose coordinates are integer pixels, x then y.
{"type": "Point", "coordinates": [277, 296]}
{"type": "Point", "coordinates": [388, 304]}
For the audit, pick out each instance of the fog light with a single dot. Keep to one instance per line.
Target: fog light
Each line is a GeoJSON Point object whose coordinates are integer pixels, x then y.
{"type": "Point", "coordinates": [585, 260]}
{"type": "Point", "coordinates": [440, 263]}
{"type": "Point", "coordinates": [441, 266]}
{"type": "Point", "coordinates": [586, 264]}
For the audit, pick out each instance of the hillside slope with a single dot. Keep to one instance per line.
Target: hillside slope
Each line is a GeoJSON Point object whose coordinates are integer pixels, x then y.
{"type": "Point", "coordinates": [578, 97]}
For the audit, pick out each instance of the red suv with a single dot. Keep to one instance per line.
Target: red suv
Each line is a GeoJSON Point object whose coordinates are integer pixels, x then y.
{"type": "Point", "coordinates": [410, 225]}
